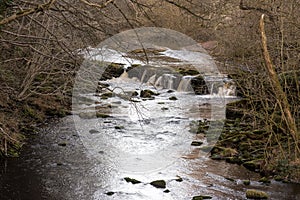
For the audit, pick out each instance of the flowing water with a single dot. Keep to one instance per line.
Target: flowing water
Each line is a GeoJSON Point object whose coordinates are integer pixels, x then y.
{"type": "Point", "coordinates": [87, 155]}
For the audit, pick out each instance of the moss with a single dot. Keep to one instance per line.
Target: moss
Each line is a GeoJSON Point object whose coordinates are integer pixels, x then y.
{"type": "Point", "coordinates": [264, 180]}
{"type": "Point", "coordinates": [256, 194]}
{"type": "Point", "coordinates": [201, 197]}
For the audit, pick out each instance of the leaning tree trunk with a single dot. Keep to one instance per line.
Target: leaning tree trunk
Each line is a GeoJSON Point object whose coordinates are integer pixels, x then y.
{"type": "Point", "coordinates": [277, 89]}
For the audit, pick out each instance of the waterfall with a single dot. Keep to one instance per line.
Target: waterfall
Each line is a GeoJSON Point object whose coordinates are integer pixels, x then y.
{"type": "Point", "coordinates": [185, 84]}
{"type": "Point", "coordinates": [151, 80]}
{"type": "Point", "coordinates": [165, 81]}
{"type": "Point", "coordinates": [124, 75]}
{"type": "Point", "coordinates": [144, 75]}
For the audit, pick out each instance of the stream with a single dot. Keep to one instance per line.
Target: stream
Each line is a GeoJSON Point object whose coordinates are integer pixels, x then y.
{"type": "Point", "coordinates": [139, 126]}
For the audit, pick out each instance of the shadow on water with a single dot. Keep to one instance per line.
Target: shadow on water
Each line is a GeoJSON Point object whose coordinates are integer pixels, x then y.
{"type": "Point", "coordinates": [20, 179]}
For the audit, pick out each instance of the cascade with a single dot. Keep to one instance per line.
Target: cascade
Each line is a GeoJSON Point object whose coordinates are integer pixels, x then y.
{"type": "Point", "coordinates": [185, 84]}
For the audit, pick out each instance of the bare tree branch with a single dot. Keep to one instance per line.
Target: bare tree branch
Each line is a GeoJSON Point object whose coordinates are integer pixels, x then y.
{"type": "Point", "coordinates": [22, 13]}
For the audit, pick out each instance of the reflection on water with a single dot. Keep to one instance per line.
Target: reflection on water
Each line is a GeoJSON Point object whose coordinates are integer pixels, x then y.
{"type": "Point", "coordinates": [51, 170]}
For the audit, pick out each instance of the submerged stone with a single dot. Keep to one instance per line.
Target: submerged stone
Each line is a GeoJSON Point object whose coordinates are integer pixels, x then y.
{"type": "Point", "coordinates": [93, 131]}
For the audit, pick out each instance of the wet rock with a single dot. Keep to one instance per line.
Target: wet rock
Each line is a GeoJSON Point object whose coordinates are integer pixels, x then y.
{"type": "Point", "coordinates": [164, 108]}
{"type": "Point", "coordinates": [147, 93]}
{"type": "Point", "coordinates": [102, 115]}
{"type": "Point", "coordinates": [132, 180]}
{"type": "Point", "coordinates": [119, 127]}
{"type": "Point", "coordinates": [170, 91]}
{"type": "Point", "coordinates": [229, 179]}
{"type": "Point", "coordinates": [107, 95]}
{"type": "Point", "coordinates": [112, 70]}
{"type": "Point", "coordinates": [196, 143]}
{"type": "Point", "coordinates": [109, 193]}
{"type": "Point", "coordinates": [179, 179]}
{"type": "Point", "coordinates": [87, 115]}
{"type": "Point", "coordinates": [167, 191]}
{"type": "Point", "coordinates": [256, 194]}
{"type": "Point", "coordinates": [187, 71]}
{"type": "Point", "coordinates": [62, 144]}
{"type": "Point", "coordinates": [159, 184]}
{"type": "Point", "coordinates": [93, 131]}
{"type": "Point", "coordinates": [134, 94]}
{"type": "Point", "coordinates": [199, 85]}
{"type": "Point", "coordinates": [201, 197]}
{"type": "Point", "coordinates": [173, 98]}
{"type": "Point", "coordinates": [246, 182]}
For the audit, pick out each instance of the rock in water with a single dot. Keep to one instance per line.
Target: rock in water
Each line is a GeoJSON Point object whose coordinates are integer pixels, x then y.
{"type": "Point", "coordinates": [201, 197]}
{"type": "Point", "coordinates": [256, 194]}
{"type": "Point", "coordinates": [131, 180]}
{"type": "Point", "coordinates": [159, 184]}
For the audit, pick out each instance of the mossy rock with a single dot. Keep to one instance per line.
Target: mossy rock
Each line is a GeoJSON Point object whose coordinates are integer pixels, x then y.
{"type": "Point", "coordinates": [264, 180]}
{"type": "Point", "coordinates": [159, 184]}
{"type": "Point", "coordinates": [246, 182]}
{"type": "Point", "coordinates": [186, 71]}
{"type": "Point", "coordinates": [253, 165]}
{"type": "Point", "coordinates": [201, 197]}
{"type": "Point", "coordinates": [256, 194]}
